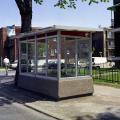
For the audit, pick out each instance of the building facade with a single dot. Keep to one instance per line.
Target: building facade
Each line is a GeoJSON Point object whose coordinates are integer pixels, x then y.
{"type": "Point", "coordinates": [102, 45]}
{"type": "Point", "coordinates": [9, 45]}
{"type": "Point", "coordinates": [109, 45]}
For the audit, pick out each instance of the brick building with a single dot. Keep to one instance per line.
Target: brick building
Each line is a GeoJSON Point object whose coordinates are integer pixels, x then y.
{"type": "Point", "coordinates": [9, 45]}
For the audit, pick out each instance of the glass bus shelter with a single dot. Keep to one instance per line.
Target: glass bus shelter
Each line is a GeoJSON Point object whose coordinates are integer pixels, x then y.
{"type": "Point", "coordinates": [56, 61]}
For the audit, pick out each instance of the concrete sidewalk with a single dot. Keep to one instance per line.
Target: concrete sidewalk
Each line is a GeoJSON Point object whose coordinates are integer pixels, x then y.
{"type": "Point", "coordinates": [103, 105]}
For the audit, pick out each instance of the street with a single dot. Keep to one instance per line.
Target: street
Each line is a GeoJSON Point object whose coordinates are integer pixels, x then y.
{"type": "Point", "coordinates": [15, 111]}
{"type": "Point", "coordinates": [12, 110]}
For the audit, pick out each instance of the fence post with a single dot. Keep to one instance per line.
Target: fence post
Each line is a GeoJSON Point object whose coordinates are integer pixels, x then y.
{"type": "Point", "coordinates": [112, 75]}
{"type": "Point", "coordinates": [99, 73]}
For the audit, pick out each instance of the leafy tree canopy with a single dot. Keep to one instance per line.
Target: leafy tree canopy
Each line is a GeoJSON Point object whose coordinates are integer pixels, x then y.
{"type": "Point", "coordinates": [71, 3]}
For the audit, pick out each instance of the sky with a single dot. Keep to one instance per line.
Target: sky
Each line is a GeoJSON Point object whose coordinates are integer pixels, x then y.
{"type": "Point", "coordinates": [47, 15]}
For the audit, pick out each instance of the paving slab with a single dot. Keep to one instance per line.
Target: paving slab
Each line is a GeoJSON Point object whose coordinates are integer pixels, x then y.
{"type": "Point", "coordinates": [104, 102]}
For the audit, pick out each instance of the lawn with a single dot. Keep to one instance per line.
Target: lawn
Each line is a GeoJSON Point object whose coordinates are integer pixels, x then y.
{"type": "Point", "coordinates": [109, 77]}
{"type": "Point", "coordinates": [2, 69]}
{"type": "Point", "coordinates": [106, 83]}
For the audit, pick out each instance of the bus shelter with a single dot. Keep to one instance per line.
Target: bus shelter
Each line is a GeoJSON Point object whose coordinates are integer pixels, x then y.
{"type": "Point", "coordinates": [56, 61]}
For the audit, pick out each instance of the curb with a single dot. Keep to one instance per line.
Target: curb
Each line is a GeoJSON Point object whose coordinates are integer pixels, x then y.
{"type": "Point", "coordinates": [53, 115]}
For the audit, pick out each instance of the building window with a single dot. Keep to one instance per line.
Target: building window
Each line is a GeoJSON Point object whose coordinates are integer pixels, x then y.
{"type": "Point", "coordinates": [53, 52]}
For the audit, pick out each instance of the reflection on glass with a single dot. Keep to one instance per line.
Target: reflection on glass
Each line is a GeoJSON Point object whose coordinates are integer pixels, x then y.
{"type": "Point", "coordinates": [27, 57]}
{"type": "Point", "coordinates": [23, 57]}
{"type": "Point", "coordinates": [83, 58]}
{"type": "Point", "coordinates": [68, 57]}
{"type": "Point", "coordinates": [74, 57]}
{"type": "Point", "coordinates": [41, 57]}
{"type": "Point", "coordinates": [52, 57]}
{"type": "Point", "coordinates": [31, 57]}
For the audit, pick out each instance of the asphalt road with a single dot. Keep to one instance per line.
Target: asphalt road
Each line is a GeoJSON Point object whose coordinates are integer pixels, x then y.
{"type": "Point", "coordinates": [11, 110]}
{"type": "Point", "coordinates": [15, 111]}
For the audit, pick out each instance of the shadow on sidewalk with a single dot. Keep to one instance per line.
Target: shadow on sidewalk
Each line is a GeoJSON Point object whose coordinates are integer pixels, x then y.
{"type": "Point", "coordinates": [101, 116]}
{"type": "Point", "coordinates": [15, 94]}
{"type": "Point", "coordinates": [4, 100]}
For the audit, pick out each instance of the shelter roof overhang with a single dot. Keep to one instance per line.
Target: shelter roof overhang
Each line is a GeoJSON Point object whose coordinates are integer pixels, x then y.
{"type": "Point", "coordinates": [60, 28]}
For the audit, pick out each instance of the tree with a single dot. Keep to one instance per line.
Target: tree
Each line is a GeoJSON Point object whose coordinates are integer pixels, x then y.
{"type": "Point", "coordinates": [25, 9]}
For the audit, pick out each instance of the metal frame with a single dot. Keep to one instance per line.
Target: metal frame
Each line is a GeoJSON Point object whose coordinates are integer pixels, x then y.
{"type": "Point", "coordinates": [90, 54]}
{"type": "Point", "coordinates": [35, 55]}
{"type": "Point", "coordinates": [58, 37]}
{"type": "Point", "coordinates": [46, 48]}
{"type": "Point", "coordinates": [59, 55]}
{"type": "Point", "coordinates": [25, 41]}
{"type": "Point", "coordinates": [76, 58]}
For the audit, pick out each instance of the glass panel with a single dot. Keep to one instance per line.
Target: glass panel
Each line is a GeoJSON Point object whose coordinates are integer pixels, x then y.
{"type": "Point", "coordinates": [31, 57]}
{"type": "Point", "coordinates": [52, 57]}
{"type": "Point", "coordinates": [68, 57]}
{"type": "Point", "coordinates": [83, 58]}
{"type": "Point", "coordinates": [41, 57]}
{"type": "Point", "coordinates": [23, 57]}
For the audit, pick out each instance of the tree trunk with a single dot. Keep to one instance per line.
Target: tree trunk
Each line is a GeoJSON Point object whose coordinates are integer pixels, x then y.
{"type": "Point", "coordinates": [26, 23]}
{"type": "Point", "coordinates": [25, 8]}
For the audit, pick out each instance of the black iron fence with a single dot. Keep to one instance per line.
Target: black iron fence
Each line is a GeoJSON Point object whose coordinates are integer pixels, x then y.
{"type": "Point", "coordinates": [106, 74]}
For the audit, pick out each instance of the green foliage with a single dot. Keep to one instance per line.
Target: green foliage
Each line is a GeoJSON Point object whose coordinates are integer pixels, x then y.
{"type": "Point", "coordinates": [41, 49]}
{"type": "Point", "coordinates": [66, 3]}
{"type": "Point", "coordinates": [2, 69]}
{"type": "Point", "coordinates": [71, 3]}
{"type": "Point", "coordinates": [39, 1]}
{"type": "Point", "coordinates": [105, 83]}
{"type": "Point", "coordinates": [95, 1]}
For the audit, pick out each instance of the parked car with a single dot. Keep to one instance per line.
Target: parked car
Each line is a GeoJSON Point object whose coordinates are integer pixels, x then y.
{"type": "Point", "coordinates": [13, 65]}
{"type": "Point", "coordinates": [53, 65]}
{"type": "Point", "coordinates": [101, 62]}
